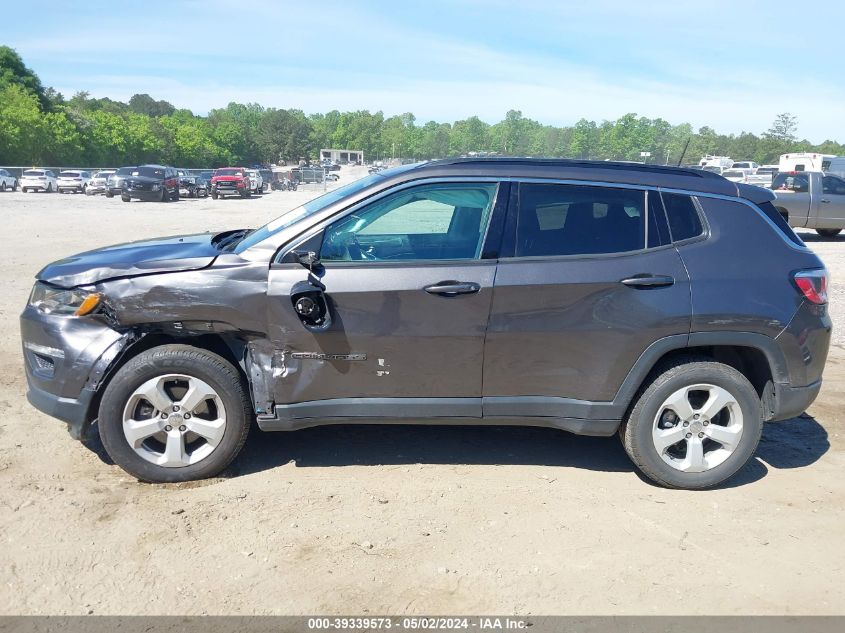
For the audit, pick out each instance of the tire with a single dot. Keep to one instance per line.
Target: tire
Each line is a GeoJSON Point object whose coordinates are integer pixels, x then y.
{"type": "Point", "coordinates": [214, 195]}
{"type": "Point", "coordinates": [245, 194]}
{"type": "Point", "coordinates": [175, 196]}
{"type": "Point", "coordinates": [109, 194]}
{"type": "Point", "coordinates": [15, 186]}
{"type": "Point", "coordinates": [24, 190]}
{"type": "Point", "coordinates": [123, 398]}
{"type": "Point", "coordinates": [165, 197]}
{"type": "Point", "coordinates": [125, 198]}
{"type": "Point", "coordinates": [49, 187]}
{"type": "Point", "coordinates": [828, 232]}
{"type": "Point", "coordinates": [716, 462]}
{"type": "Point", "coordinates": [3, 186]}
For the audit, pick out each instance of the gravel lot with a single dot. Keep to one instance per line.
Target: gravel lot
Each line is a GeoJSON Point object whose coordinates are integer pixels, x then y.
{"type": "Point", "coordinates": [396, 519]}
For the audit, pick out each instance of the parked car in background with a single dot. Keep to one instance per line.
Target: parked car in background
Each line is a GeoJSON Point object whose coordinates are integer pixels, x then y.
{"type": "Point", "coordinates": [735, 175]}
{"type": "Point", "coordinates": [457, 291]}
{"type": "Point", "coordinates": [332, 176]}
{"type": "Point", "coordinates": [158, 183]}
{"type": "Point", "coordinates": [190, 186]}
{"type": "Point", "coordinates": [266, 178]}
{"type": "Point", "coordinates": [714, 169]}
{"type": "Point", "coordinates": [229, 181]}
{"type": "Point", "coordinates": [7, 181]}
{"type": "Point", "coordinates": [307, 175]}
{"type": "Point", "coordinates": [115, 181]}
{"type": "Point", "coordinates": [805, 161]}
{"type": "Point", "coordinates": [812, 200]}
{"type": "Point", "coordinates": [38, 180]}
{"type": "Point", "coordinates": [73, 181]}
{"type": "Point", "coordinates": [99, 182]}
{"type": "Point", "coordinates": [256, 182]}
{"type": "Point", "coordinates": [204, 177]}
{"type": "Point", "coordinates": [746, 166]}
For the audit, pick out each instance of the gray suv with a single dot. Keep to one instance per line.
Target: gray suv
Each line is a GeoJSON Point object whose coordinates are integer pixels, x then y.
{"type": "Point", "coordinates": [668, 305]}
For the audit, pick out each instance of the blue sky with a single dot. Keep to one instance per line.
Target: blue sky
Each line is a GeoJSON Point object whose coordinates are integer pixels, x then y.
{"type": "Point", "coordinates": [731, 65]}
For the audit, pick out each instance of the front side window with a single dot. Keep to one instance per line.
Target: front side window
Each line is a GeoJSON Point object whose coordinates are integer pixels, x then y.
{"type": "Point", "coordinates": [833, 185]}
{"type": "Point", "coordinates": [429, 222]}
{"type": "Point", "coordinates": [579, 220]}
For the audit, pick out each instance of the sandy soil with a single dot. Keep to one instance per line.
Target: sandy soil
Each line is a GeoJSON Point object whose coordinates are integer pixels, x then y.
{"type": "Point", "coordinates": [396, 519]}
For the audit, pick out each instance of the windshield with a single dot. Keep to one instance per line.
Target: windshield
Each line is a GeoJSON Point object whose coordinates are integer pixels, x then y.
{"type": "Point", "coordinates": [124, 171]}
{"type": "Point", "coordinates": [229, 172]}
{"type": "Point", "coordinates": [148, 172]}
{"type": "Point", "coordinates": [307, 209]}
{"type": "Point", "coordinates": [33, 172]}
{"type": "Point", "coordinates": [715, 170]}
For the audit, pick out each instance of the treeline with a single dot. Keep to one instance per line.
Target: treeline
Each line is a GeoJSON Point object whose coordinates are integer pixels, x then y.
{"type": "Point", "coordinates": [39, 126]}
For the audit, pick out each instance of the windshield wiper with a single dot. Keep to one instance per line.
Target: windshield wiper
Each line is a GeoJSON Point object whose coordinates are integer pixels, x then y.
{"type": "Point", "coordinates": [229, 239]}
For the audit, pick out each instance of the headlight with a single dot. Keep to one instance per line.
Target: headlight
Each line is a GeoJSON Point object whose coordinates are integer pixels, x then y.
{"type": "Point", "coordinates": [155, 187]}
{"type": "Point", "coordinates": [76, 302]}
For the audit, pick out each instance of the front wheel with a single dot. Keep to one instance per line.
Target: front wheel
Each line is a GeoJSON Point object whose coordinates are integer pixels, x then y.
{"type": "Point", "coordinates": [828, 232]}
{"type": "Point", "coordinates": [175, 413]}
{"type": "Point", "coordinates": [214, 195]}
{"type": "Point", "coordinates": [694, 426]}
{"type": "Point", "coordinates": [126, 198]}
{"type": "Point", "coordinates": [15, 186]}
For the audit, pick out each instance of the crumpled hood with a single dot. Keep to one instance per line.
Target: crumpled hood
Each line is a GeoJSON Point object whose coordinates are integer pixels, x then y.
{"type": "Point", "coordinates": [161, 255]}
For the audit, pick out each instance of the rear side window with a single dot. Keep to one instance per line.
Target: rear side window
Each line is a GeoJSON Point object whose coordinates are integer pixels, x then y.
{"type": "Point", "coordinates": [684, 221]}
{"type": "Point", "coordinates": [579, 220]}
{"type": "Point", "coordinates": [777, 219]}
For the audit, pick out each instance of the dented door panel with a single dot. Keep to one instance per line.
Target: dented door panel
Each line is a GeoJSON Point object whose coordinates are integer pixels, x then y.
{"type": "Point", "coordinates": [388, 338]}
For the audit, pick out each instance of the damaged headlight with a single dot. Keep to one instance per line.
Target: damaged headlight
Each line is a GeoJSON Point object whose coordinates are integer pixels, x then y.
{"type": "Point", "coordinates": [74, 301]}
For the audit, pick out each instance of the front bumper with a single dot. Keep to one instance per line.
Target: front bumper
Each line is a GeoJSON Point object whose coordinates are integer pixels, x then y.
{"type": "Point", "coordinates": [66, 359]}
{"type": "Point", "coordinates": [142, 194]}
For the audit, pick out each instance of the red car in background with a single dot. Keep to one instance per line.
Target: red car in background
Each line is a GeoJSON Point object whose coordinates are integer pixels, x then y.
{"type": "Point", "coordinates": [228, 181]}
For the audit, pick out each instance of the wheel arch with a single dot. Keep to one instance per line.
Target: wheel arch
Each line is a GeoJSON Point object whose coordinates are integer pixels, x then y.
{"type": "Point", "coordinates": [227, 346]}
{"type": "Point", "coordinates": [754, 355]}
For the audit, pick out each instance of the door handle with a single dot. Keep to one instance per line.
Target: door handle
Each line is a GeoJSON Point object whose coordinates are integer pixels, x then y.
{"type": "Point", "coordinates": [825, 200]}
{"type": "Point", "coordinates": [648, 281]}
{"type": "Point", "coordinates": [452, 288]}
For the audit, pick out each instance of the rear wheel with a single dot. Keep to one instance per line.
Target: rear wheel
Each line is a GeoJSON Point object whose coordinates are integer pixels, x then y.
{"type": "Point", "coordinates": [174, 413]}
{"type": "Point", "coordinates": [828, 232]}
{"type": "Point", "coordinates": [15, 186]}
{"type": "Point", "coordinates": [214, 195]}
{"type": "Point", "coordinates": [164, 196]}
{"type": "Point", "coordinates": [695, 425]}
{"type": "Point", "coordinates": [49, 187]}
{"type": "Point", "coordinates": [125, 198]}
{"type": "Point", "coordinates": [3, 186]}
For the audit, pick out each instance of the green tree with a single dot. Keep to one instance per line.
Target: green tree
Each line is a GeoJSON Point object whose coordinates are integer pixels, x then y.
{"type": "Point", "coordinates": [14, 72]}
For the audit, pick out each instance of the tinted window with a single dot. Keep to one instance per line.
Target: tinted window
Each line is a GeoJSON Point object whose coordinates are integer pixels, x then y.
{"type": "Point", "coordinates": [124, 171]}
{"type": "Point", "coordinates": [791, 181]}
{"type": "Point", "coordinates": [429, 222]}
{"type": "Point", "coordinates": [833, 185]}
{"type": "Point", "coordinates": [149, 172]}
{"type": "Point", "coordinates": [684, 221]}
{"type": "Point", "coordinates": [576, 220]}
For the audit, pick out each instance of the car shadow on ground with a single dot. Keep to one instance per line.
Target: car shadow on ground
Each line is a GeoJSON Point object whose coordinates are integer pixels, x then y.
{"type": "Point", "coordinates": [793, 443]}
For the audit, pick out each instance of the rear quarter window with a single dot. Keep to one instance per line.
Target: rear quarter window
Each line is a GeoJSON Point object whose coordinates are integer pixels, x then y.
{"type": "Point", "coordinates": [777, 219]}
{"type": "Point", "coordinates": [682, 215]}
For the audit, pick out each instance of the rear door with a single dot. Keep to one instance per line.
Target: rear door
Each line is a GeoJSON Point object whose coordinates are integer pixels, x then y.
{"type": "Point", "coordinates": [409, 284]}
{"type": "Point", "coordinates": [590, 282]}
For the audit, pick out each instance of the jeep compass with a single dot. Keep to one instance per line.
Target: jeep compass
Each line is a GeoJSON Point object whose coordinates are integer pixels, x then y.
{"type": "Point", "coordinates": [667, 305]}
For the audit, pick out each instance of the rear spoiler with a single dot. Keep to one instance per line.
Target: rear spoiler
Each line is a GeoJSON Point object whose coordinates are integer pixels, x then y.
{"type": "Point", "coordinates": [757, 195]}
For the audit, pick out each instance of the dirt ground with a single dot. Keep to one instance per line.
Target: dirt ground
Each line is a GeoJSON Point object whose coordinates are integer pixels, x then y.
{"type": "Point", "coordinates": [392, 520]}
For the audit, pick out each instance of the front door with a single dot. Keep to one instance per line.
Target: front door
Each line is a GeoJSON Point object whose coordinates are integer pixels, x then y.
{"type": "Point", "coordinates": [592, 281]}
{"type": "Point", "coordinates": [409, 295]}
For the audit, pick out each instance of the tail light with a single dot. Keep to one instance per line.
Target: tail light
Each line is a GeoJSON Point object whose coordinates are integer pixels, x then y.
{"type": "Point", "coordinates": [812, 284]}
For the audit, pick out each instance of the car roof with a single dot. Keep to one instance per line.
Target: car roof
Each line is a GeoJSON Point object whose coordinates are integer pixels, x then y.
{"type": "Point", "coordinates": [570, 169]}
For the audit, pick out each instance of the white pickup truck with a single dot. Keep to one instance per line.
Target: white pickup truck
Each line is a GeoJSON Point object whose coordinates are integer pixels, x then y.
{"type": "Point", "coordinates": [811, 199]}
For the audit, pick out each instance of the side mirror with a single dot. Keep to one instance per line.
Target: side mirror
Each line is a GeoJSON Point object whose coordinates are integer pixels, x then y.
{"type": "Point", "coordinates": [308, 259]}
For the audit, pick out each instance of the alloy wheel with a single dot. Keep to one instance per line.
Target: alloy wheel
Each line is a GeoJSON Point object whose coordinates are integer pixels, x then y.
{"type": "Point", "coordinates": [697, 427]}
{"type": "Point", "coordinates": [174, 420]}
